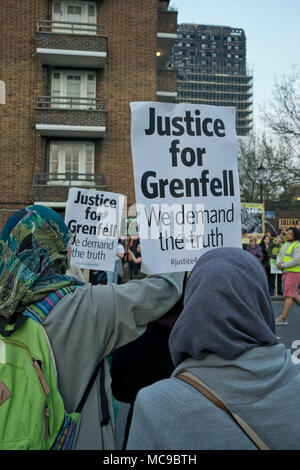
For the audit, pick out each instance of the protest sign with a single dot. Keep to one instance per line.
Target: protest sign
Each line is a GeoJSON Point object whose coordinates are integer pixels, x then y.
{"type": "Point", "coordinates": [186, 182]}
{"type": "Point", "coordinates": [253, 221]}
{"type": "Point", "coordinates": [274, 269]}
{"type": "Point", "coordinates": [94, 218]}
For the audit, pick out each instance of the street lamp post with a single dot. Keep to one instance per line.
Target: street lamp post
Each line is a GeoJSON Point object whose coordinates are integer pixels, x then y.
{"type": "Point", "coordinates": [261, 173]}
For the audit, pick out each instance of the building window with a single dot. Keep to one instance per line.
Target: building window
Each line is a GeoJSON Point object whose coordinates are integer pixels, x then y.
{"type": "Point", "coordinates": [73, 90]}
{"type": "Point", "coordinates": [71, 160]}
{"type": "Point", "coordinates": [74, 12]}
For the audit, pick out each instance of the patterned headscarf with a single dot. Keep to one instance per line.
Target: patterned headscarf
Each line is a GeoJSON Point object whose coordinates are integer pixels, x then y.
{"type": "Point", "coordinates": [33, 258]}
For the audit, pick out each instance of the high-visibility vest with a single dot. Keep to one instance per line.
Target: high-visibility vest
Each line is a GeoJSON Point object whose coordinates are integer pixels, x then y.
{"type": "Point", "coordinates": [289, 254]}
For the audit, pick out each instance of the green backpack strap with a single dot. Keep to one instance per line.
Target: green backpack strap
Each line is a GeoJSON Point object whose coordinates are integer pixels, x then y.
{"type": "Point", "coordinates": [38, 312]}
{"type": "Point", "coordinates": [33, 349]}
{"type": "Point", "coordinates": [18, 323]}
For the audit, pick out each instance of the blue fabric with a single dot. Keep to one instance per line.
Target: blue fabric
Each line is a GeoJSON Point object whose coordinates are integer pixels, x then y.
{"type": "Point", "coordinates": [227, 308]}
{"type": "Point", "coordinates": [11, 222]}
{"type": "Point", "coordinates": [33, 258]}
{"type": "Point", "coordinates": [53, 219]}
{"type": "Point", "coordinates": [49, 215]}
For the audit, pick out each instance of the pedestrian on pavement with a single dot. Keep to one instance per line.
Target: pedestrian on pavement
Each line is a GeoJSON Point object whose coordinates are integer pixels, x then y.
{"type": "Point", "coordinates": [83, 327]}
{"type": "Point", "coordinates": [289, 261]}
{"type": "Point", "coordinates": [225, 336]}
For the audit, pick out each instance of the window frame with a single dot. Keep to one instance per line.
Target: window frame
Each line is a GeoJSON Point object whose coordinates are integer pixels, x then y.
{"type": "Point", "coordinates": [63, 84]}
{"type": "Point", "coordinates": [63, 17]}
{"type": "Point", "coordinates": [61, 163]}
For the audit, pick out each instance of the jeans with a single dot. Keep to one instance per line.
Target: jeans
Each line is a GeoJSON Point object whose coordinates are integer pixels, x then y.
{"type": "Point", "coordinates": [112, 277]}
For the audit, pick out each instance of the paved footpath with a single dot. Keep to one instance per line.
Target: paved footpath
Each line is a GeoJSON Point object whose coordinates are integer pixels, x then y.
{"type": "Point", "coordinates": [290, 332]}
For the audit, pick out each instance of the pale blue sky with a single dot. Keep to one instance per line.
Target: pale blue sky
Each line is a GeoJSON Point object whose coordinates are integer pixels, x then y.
{"type": "Point", "coordinates": [272, 30]}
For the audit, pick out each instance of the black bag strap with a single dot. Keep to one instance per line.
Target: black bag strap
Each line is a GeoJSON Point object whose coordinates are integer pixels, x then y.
{"type": "Point", "coordinates": [18, 323]}
{"type": "Point", "coordinates": [103, 396]}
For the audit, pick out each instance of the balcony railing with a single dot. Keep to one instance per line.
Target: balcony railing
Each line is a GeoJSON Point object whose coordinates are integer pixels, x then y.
{"type": "Point", "coordinates": [68, 27]}
{"type": "Point", "coordinates": [55, 186]}
{"type": "Point", "coordinates": [69, 102]}
{"type": "Point", "coordinates": [69, 179]}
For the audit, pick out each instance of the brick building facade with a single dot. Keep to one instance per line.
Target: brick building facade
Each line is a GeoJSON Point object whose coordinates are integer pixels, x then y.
{"type": "Point", "coordinates": [70, 70]}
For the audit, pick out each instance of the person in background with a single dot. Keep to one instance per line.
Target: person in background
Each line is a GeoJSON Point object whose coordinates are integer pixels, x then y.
{"type": "Point", "coordinates": [255, 250]}
{"type": "Point", "coordinates": [264, 244]}
{"type": "Point", "coordinates": [269, 234]}
{"type": "Point", "coordinates": [120, 261]}
{"type": "Point", "coordinates": [273, 251]}
{"type": "Point", "coordinates": [283, 234]}
{"type": "Point", "coordinates": [113, 276]}
{"type": "Point", "coordinates": [84, 326]}
{"type": "Point", "coordinates": [225, 336]}
{"type": "Point", "coordinates": [288, 260]}
{"type": "Point", "coordinates": [132, 244]}
{"type": "Point", "coordinates": [136, 259]}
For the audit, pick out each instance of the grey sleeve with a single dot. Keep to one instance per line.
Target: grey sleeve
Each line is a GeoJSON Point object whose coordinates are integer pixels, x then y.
{"type": "Point", "coordinates": [87, 325]}
{"type": "Point", "coordinates": [136, 303]}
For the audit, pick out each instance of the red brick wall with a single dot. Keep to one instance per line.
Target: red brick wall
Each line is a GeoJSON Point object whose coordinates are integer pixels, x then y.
{"type": "Point", "coordinates": [20, 145]}
{"type": "Point", "coordinates": [130, 75]}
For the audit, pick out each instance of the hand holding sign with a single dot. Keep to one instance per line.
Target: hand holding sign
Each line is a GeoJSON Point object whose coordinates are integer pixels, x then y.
{"type": "Point", "coordinates": [94, 218]}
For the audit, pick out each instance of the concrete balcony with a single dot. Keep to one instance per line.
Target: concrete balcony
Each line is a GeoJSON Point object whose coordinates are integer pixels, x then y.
{"type": "Point", "coordinates": [70, 117]}
{"type": "Point", "coordinates": [50, 187]}
{"type": "Point", "coordinates": [65, 44]}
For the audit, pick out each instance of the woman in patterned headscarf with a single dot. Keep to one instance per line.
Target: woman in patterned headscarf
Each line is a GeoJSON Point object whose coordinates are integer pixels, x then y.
{"type": "Point", "coordinates": [87, 322]}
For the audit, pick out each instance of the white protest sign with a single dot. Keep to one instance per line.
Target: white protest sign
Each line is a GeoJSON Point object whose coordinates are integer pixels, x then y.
{"type": "Point", "coordinates": [186, 182]}
{"type": "Point", "coordinates": [274, 269]}
{"type": "Point", "coordinates": [94, 218]}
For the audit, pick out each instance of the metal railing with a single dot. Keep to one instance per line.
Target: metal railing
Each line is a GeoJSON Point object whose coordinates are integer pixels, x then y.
{"type": "Point", "coordinates": [66, 179]}
{"type": "Point", "coordinates": [70, 102]}
{"type": "Point", "coordinates": [50, 26]}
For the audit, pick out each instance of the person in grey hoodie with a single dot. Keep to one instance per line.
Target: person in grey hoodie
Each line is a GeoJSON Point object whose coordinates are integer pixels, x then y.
{"type": "Point", "coordinates": [226, 337]}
